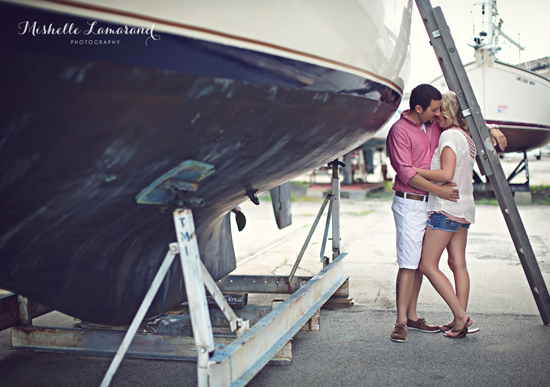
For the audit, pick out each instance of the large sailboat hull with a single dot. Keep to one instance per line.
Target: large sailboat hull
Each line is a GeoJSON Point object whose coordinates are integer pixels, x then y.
{"type": "Point", "coordinates": [85, 130]}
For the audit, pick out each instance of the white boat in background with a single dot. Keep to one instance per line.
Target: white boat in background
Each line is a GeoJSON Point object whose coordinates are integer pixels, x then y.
{"type": "Point", "coordinates": [515, 97]}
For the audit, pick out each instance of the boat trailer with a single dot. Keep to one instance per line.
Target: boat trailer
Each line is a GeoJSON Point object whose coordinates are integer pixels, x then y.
{"type": "Point", "coordinates": [222, 360]}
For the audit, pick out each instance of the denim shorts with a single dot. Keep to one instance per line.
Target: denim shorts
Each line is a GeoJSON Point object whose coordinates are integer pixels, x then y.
{"type": "Point", "coordinates": [439, 221]}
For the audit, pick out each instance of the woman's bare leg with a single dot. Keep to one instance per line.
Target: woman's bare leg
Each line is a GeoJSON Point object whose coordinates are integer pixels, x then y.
{"type": "Point", "coordinates": [457, 263]}
{"type": "Point", "coordinates": [435, 242]}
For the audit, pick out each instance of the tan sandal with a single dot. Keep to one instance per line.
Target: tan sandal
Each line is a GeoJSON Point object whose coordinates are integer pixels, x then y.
{"type": "Point", "coordinates": [461, 332]}
{"type": "Point", "coordinates": [446, 327]}
{"type": "Point", "coordinates": [449, 326]}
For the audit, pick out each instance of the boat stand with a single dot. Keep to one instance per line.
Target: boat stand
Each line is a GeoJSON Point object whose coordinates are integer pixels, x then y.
{"type": "Point", "coordinates": [480, 185]}
{"type": "Point", "coordinates": [290, 284]}
{"type": "Point", "coordinates": [221, 360]}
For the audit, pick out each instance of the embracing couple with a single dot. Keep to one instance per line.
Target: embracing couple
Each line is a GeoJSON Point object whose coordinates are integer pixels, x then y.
{"type": "Point", "coordinates": [432, 152]}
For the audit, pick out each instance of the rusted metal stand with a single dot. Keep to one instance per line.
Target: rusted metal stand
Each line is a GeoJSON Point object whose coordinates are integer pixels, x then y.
{"type": "Point", "coordinates": [196, 278]}
{"type": "Point", "coordinates": [236, 361]}
{"type": "Point", "coordinates": [271, 284]}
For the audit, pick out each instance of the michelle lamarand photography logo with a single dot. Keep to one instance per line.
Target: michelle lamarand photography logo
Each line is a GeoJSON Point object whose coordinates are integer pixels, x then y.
{"type": "Point", "coordinates": [93, 34]}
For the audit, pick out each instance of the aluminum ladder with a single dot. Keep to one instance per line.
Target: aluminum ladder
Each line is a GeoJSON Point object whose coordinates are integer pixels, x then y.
{"type": "Point", "coordinates": [487, 159]}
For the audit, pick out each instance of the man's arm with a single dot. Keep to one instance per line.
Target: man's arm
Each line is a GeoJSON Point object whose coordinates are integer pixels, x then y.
{"type": "Point", "coordinates": [399, 150]}
{"type": "Point", "coordinates": [445, 191]}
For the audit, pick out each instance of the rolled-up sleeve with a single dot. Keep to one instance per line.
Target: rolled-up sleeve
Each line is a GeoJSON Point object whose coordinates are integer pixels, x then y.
{"type": "Point", "coordinates": [399, 149]}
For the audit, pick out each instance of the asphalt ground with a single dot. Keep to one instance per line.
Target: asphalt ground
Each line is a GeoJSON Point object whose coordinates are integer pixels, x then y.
{"type": "Point", "coordinates": [353, 346]}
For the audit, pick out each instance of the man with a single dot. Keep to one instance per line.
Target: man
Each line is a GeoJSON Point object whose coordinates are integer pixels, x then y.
{"type": "Point", "coordinates": [412, 141]}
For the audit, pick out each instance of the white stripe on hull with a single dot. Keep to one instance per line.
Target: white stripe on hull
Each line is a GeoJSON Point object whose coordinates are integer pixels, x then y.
{"type": "Point", "coordinates": [365, 38]}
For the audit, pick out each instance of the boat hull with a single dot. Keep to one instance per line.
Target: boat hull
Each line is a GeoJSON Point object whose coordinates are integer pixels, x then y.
{"type": "Point", "coordinates": [83, 135]}
{"type": "Point", "coordinates": [513, 98]}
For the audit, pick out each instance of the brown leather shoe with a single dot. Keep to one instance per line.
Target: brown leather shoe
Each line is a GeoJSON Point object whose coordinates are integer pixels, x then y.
{"type": "Point", "coordinates": [422, 325]}
{"type": "Point", "coordinates": [399, 333]}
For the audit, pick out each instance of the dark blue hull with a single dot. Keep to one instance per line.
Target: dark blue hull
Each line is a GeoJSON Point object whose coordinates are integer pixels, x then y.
{"type": "Point", "coordinates": [84, 129]}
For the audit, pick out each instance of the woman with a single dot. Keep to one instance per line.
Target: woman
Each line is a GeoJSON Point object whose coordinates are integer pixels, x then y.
{"type": "Point", "coordinates": [449, 221]}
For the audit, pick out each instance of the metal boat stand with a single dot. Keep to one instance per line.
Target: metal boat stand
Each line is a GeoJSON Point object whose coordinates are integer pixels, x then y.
{"type": "Point", "coordinates": [480, 185]}
{"type": "Point", "coordinates": [221, 360]}
{"type": "Point", "coordinates": [290, 284]}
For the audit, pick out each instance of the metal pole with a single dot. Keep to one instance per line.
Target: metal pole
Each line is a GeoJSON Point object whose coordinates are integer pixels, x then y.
{"type": "Point", "coordinates": [325, 235]}
{"type": "Point", "coordinates": [140, 314]}
{"type": "Point", "coordinates": [458, 81]}
{"type": "Point", "coordinates": [196, 294]}
{"type": "Point", "coordinates": [335, 209]}
{"type": "Point", "coordinates": [236, 323]}
{"type": "Point", "coordinates": [306, 243]}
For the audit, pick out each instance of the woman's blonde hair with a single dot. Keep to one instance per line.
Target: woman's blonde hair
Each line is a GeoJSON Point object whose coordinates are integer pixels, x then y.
{"type": "Point", "coordinates": [450, 108]}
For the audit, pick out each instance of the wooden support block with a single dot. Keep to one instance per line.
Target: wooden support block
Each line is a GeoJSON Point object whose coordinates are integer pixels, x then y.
{"type": "Point", "coordinates": [343, 291]}
{"type": "Point", "coordinates": [314, 323]}
{"type": "Point", "coordinates": [339, 302]}
{"type": "Point", "coordinates": [9, 310]}
{"type": "Point", "coordinates": [340, 298]}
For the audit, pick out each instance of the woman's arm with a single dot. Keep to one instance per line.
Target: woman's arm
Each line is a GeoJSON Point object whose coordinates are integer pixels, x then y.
{"type": "Point", "coordinates": [447, 170]}
{"type": "Point", "coordinates": [445, 191]}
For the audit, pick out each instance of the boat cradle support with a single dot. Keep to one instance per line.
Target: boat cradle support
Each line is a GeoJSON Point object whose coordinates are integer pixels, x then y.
{"type": "Point", "coordinates": [237, 363]}
{"type": "Point", "coordinates": [233, 365]}
{"type": "Point", "coordinates": [480, 185]}
{"type": "Point", "coordinates": [225, 361]}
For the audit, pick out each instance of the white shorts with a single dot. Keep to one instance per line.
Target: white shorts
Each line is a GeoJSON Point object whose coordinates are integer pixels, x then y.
{"type": "Point", "coordinates": [410, 223]}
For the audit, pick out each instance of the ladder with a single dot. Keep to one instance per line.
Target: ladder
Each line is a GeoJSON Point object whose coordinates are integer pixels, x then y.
{"type": "Point", "coordinates": [487, 159]}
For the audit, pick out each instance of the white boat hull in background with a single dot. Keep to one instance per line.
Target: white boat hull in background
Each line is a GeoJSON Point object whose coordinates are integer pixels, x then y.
{"type": "Point", "coordinates": [515, 99]}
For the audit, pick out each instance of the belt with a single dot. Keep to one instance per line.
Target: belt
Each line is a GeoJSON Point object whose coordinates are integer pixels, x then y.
{"type": "Point", "coordinates": [407, 195]}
